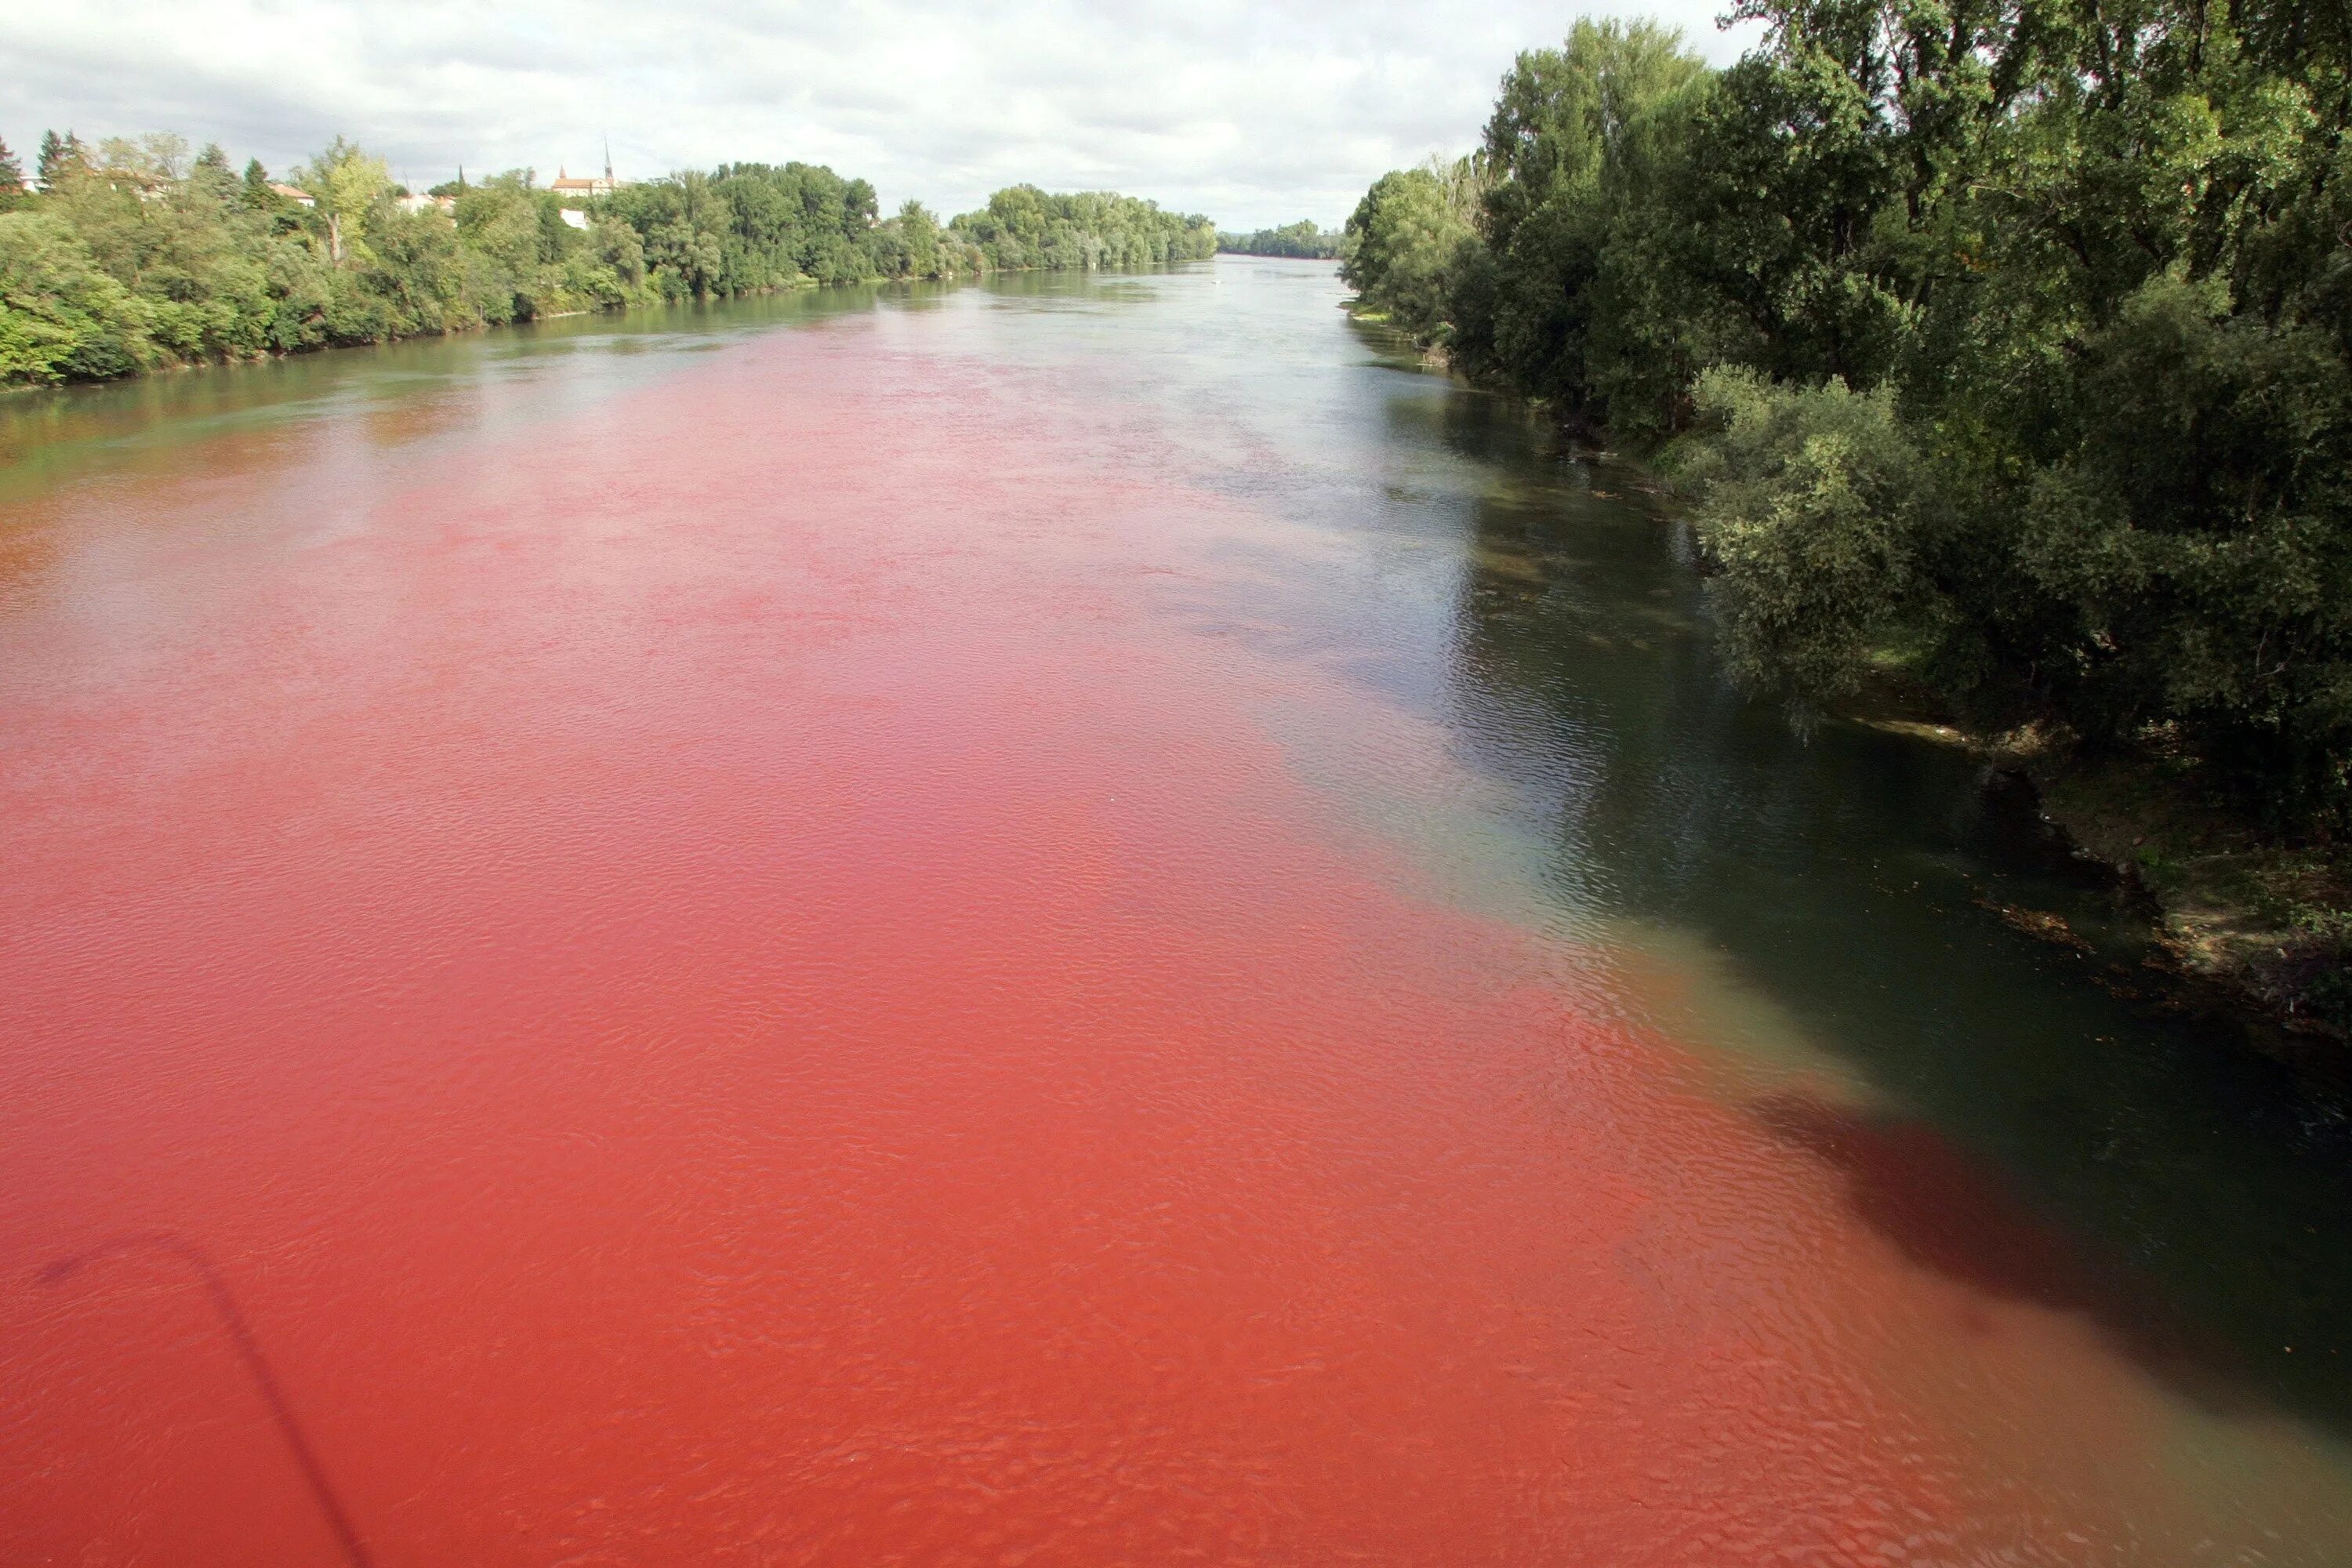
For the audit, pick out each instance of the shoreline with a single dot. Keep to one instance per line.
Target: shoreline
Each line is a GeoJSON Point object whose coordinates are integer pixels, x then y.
{"type": "Point", "coordinates": [2206, 916]}
{"type": "Point", "coordinates": [278, 356]}
{"type": "Point", "coordinates": [2202, 914]}
{"type": "Point", "coordinates": [803, 285]}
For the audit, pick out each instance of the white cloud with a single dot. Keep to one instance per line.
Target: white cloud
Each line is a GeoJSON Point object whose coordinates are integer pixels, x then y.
{"type": "Point", "coordinates": [1254, 113]}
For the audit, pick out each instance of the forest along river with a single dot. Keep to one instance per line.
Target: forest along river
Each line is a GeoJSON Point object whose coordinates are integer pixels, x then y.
{"type": "Point", "coordinates": [1076, 921]}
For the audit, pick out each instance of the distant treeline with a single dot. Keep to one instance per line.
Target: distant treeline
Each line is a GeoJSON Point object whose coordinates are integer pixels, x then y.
{"type": "Point", "coordinates": [134, 254]}
{"type": "Point", "coordinates": [1301, 238]}
{"type": "Point", "coordinates": [2007, 343]}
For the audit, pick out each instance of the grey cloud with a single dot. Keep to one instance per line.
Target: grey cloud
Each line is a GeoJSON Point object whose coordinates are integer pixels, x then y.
{"type": "Point", "coordinates": [1254, 112]}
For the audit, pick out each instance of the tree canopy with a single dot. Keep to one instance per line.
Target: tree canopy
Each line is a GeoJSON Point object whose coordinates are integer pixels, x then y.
{"type": "Point", "coordinates": [136, 253]}
{"type": "Point", "coordinates": [2009, 341]}
{"type": "Point", "coordinates": [1304, 238]}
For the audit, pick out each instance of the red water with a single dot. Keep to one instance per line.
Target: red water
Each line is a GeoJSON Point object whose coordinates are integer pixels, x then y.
{"type": "Point", "coordinates": [728, 978]}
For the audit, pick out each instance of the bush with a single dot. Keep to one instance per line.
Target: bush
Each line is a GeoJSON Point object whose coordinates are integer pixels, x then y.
{"type": "Point", "coordinates": [1811, 504]}
{"type": "Point", "coordinates": [62, 317]}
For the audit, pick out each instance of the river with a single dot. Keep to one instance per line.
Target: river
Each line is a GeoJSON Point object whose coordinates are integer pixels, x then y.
{"type": "Point", "coordinates": [1068, 922]}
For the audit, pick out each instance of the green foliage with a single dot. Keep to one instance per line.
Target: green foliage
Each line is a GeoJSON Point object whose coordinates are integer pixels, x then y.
{"type": "Point", "coordinates": [350, 187]}
{"type": "Point", "coordinates": [2198, 537]}
{"type": "Point", "coordinates": [1023, 227]}
{"type": "Point", "coordinates": [60, 158]}
{"type": "Point", "coordinates": [1559, 303]}
{"type": "Point", "coordinates": [62, 317]}
{"type": "Point", "coordinates": [2011, 335]}
{"type": "Point", "coordinates": [750, 227]}
{"type": "Point", "coordinates": [1406, 241]}
{"type": "Point", "coordinates": [747, 228]}
{"type": "Point", "coordinates": [1302, 239]}
{"type": "Point", "coordinates": [515, 258]}
{"type": "Point", "coordinates": [145, 256]}
{"type": "Point", "coordinates": [911, 245]}
{"type": "Point", "coordinates": [1814, 504]}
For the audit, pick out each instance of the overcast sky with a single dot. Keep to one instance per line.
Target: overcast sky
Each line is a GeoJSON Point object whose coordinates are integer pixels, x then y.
{"type": "Point", "coordinates": [1255, 113]}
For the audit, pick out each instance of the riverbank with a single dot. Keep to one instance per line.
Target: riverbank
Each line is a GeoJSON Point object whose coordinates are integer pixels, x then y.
{"type": "Point", "coordinates": [464, 329]}
{"type": "Point", "coordinates": [133, 259]}
{"type": "Point", "coordinates": [2195, 910]}
{"type": "Point", "coordinates": [2264, 924]}
{"type": "Point", "coordinates": [2081, 467]}
{"type": "Point", "coordinates": [470, 327]}
{"type": "Point", "coordinates": [2191, 907]}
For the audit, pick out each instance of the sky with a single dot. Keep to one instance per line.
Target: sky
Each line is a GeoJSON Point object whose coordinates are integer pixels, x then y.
{"type": "Point", "coordinates": [1254, 113]}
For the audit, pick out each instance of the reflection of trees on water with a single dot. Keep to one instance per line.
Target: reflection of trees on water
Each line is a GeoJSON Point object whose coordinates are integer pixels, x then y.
{"type": "Point", "coordinates": [1840, 876]}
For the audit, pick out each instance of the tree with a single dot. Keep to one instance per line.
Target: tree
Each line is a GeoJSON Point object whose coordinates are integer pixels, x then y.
{"type": "Point", "coordinates": [159, 155]}
{"type": "Point", "coordinates": [348, 186]}
{"type": "Point", "coordinates": [210, 173]}
{"type": "Point", "coordinates": [12, 175]}
{"type": "Point", "coordinates": [1023, 226]}
{"type": "Point", "coordinates": [1304, 238]}
{"type": "Point", "coordinates": [1577, 154]}
{"type": "Point", "coordinates": [2083, 263]}
{"type": "Point", "coordinates": [60, 158]}
{"type": "Point", "coordinates": [1813, 501]}
{"type": "Point", "coordinates": [1407, 237]}
{"type": "Point", "coordinates": [65, 317]}
{"type": "Point", "coordinates": [909, 245]}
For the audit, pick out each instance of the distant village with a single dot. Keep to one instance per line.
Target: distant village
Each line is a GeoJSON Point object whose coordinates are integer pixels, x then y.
{"type": "Point", "coordinates": [567, 187]}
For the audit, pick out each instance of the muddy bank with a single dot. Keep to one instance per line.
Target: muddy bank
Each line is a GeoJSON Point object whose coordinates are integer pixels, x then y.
{"type": "Point", "coordinates": [2197, 911]}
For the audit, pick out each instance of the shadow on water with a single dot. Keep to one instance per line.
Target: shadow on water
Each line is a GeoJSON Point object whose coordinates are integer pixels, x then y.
{"type": "Point", "coordinates": [1946, 1211]}
{"type": "Point", "coordinates": [241, 1338]}
{"type": "Point", "coordinates": [2043, 1140]}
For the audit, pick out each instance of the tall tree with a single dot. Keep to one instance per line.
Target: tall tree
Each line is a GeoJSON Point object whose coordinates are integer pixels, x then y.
{"type": "Point", "coordinates": [211, 174]}
{"type": "Point", "coordinates": [2008, 342]}
{"type": "Point", "coordinates": [348, 184]}
{"type": "Point", "coordinates": [60, 157]}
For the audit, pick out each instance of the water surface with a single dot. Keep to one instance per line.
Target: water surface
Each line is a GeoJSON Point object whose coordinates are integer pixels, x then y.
{"type": "Point", "coordinates": [1083, 921]}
